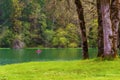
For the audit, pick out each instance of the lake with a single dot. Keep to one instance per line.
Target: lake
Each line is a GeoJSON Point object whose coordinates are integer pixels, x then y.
{"type": "Point", "coordinates": [10, 56]}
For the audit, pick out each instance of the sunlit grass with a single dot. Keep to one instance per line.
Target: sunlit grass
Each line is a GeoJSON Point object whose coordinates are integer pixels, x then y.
{"type": "Point", "coordinates": [62, 70]}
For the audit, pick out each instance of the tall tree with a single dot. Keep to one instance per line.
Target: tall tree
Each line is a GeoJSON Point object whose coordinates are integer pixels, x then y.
{"type": "Point", "coordinates": [100, 30]}
{"type": "Point", "coordinates": [108, 20]}
{"type": "Point", "coordinates": [83, 28]}
{"type": "Point", "coordinates": [115, 18]}
{"type": "Point", "coordinates": [16, 26]}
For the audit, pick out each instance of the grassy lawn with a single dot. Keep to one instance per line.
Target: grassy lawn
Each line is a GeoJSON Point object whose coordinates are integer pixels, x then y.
{"type": "Point", "coordinates": [62, 70]}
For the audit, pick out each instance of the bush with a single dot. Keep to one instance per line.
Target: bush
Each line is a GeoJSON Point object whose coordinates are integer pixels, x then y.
{"type": "Point", "coordinates": [73, 45]}
{"type": "Point", "coordinates": [6, 38]}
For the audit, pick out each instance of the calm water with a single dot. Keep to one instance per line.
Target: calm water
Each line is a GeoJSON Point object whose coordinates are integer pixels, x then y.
{"type": "Point", "coordinates": [9, 56]}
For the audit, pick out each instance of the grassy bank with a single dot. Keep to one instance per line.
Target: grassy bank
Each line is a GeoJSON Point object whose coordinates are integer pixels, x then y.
{"type": "Point", "coordinates": [62, 70]}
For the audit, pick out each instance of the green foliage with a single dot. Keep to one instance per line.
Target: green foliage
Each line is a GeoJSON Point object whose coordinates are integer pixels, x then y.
{"type": "Point", "coordinates": [26, 33]}
{"type": "Point", "coordinates": [6, 8]}
{"type": "Point", "coordinates": [73, 35]}
{"type": "Point", "coordinates": [46, 23]}
{"type": "Point", "coordinates": [93, 34]}
{"type": "Point", "coordinates": [32, 23]}
{"type": "Point", "coordinates": [73, 45]}
{"type": "Point", "coordinates": [48, 35]}
{"type": "Point", "coordinates": [42, 22]}
{"type": "Point", "coordinates": [6, 38]}
{"type": "Point", "coordinates": [59, 39]}
{"type": "Point", "coordinates": [67, 37]}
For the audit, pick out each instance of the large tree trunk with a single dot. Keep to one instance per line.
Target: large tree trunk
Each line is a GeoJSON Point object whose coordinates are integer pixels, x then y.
{"type": "Point", "coordinates": [100, 30]}
{"type": "Point", "coordinates": [115, 18]}
{"type": "Point", "coordinates": [83, 28]}
{"type": "Point", "coordinates": [107, 28]}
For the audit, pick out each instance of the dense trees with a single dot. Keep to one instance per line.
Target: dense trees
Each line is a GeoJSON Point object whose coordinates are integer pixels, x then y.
{"type": "Point", "coordinates": [55, 23]}
{"type": "Point", "coordinates": [38, 23]}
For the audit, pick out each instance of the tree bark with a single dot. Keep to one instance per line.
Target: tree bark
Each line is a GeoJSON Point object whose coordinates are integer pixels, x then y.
{"type": "Point", "coordinates": [100, 30]}
{"type": "Point", "coordinates": [83, 28]}
{"type": "Point", "coordinates": [105, 22]}
{"type": "Point", "coordinates": [115, 18]}
{"type": "Point", "coordinates": [119, 37]}
{"type": "Point", "coordinates": [107, 29]}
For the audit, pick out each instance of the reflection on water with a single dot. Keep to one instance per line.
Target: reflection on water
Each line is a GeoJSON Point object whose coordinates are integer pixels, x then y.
{"type": "Point", "coordinates": [8, 56]}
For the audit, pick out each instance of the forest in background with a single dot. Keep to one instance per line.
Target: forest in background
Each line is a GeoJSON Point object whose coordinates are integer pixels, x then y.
{"type": "Point", "coordinates": [45, 23]}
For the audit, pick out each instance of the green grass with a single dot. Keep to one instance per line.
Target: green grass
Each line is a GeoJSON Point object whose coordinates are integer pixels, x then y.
{"type": "Point", "coordinates": [62, 70]}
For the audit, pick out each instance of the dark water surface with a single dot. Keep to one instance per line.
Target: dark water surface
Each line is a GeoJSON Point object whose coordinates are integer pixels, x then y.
{"type": "Point", "coordinates": [10, 56]}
